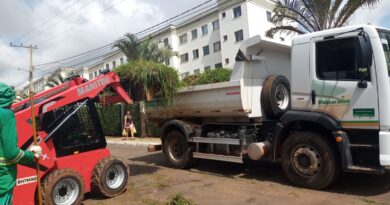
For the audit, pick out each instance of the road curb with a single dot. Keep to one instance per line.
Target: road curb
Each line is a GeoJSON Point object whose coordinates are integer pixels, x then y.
{"type": "Point", "coordinates": [133, 144]}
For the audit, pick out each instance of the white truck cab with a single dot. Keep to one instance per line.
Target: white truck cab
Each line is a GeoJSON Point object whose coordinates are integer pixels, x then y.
{"type": "Point", "coordinates": [317, 107]}
{"type": "Point", "coordinates": [344, 73]}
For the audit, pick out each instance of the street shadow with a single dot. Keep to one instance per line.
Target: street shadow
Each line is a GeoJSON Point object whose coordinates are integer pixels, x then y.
{"type": "Point", "coordinates": [156, 159]}
{"type": "Point", "coordinates": [361, 184]}
{"type": "Point", "coordinates": [138, 169]}
{"type": "Point", "coordinates": [348, 183]}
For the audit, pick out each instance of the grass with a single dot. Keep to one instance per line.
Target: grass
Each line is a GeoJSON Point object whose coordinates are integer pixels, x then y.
{"type": "Point", "coordinates": [179, 199]}
{"type": "Point", "coordinates": [372, 202]}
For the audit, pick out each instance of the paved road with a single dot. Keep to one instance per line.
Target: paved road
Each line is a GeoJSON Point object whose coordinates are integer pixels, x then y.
{"type": "Point", "coordinates": [212, 182]}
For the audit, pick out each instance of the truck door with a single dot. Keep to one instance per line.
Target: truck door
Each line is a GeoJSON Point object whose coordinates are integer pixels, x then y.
{"type": "Point", "coordinates": [338, 86]}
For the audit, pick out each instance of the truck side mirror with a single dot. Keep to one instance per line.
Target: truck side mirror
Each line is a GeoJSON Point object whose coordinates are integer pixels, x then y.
{"type": "Point", "coordinates": [363, 51]}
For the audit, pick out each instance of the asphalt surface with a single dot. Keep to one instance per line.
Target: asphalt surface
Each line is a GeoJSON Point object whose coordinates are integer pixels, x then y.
{"type": "Point", "coordinates": [154, 182]}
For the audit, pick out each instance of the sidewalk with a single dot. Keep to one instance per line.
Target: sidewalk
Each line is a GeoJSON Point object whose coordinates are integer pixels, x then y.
{"type": "Point", "coordinates": [137, 142]}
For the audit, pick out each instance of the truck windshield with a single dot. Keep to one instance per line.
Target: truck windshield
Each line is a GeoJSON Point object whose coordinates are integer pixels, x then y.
{"type": "Point", "coordinates": [385, 39]}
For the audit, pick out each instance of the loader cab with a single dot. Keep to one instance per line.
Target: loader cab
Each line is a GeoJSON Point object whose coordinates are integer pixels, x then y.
{"type": "Point", "coordinates": [74, 128]}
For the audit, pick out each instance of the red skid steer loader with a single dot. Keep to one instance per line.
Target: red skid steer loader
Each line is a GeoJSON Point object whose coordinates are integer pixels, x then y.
{"type": "Point", "coordinates": [75, 158]}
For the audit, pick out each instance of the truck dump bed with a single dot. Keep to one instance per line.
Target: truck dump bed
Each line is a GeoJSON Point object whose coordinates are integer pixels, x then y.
{"type": "Point", "coordinates": [210, 100]}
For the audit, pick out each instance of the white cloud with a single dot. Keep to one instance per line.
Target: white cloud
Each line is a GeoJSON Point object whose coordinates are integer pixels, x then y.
{"type": "Point", "coordinates": [373, 16]}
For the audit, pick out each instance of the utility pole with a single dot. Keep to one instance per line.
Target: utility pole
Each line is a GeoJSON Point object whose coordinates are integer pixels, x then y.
{"type": "Point", "coordinates": [31, 95]}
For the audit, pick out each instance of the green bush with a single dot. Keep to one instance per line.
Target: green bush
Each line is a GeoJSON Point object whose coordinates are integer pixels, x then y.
{"type": "Point", "coordinates": [210, 76]}
{"type": "Point", "coordinates": [110, 118]}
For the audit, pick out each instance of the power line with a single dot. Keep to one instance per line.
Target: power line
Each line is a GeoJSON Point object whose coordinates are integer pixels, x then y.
{"type": "Point", "coordinates": [46, 21]}
{"type": "Point", "coordinates": [137, 34]}
{"type": "Point", "coordinates": [82, 22]}
{"type": "Point", "coordinates": [61, 20]}
{"type": "Point", "coordinates": [68, 58]}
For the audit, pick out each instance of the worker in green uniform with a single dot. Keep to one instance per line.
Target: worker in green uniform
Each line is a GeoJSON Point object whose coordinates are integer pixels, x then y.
{"type": "Point", "coordinates": [10, 154]}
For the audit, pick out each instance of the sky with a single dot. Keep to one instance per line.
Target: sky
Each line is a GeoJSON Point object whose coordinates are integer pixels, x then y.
{"type": "Point", "coordinates": [65, 28]}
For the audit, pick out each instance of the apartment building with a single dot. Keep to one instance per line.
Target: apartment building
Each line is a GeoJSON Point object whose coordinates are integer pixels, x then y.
{"type": "Point", "coordinates": [212, 38]}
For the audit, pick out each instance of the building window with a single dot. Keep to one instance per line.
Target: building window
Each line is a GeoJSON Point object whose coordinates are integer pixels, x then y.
{"type": "Point", "coordinates": [218, 65]}
{"type": "Point", "coordinates": [217, 46]}
{"type": "Point", "coordinates": [269, 16]}
{"type": "Point", "coordinates": [281, 38]}
{"type": "Point", "coordinates": [195, 54]}
{"type": "Point", "coordinates": [215, 25]}
{"type": "Point", "coordinates": [183, 38]}
{"type": "Point", "coordinates": [121, 60]}
{"type": "Point", "coordinates": [197, 71]}
{"type": "Point", "coordinates": [206, 50]}
{"type": "Point", "coordinates": [113, 64]}
{"type": "Point", "coordinates": [205, 29]}
{"type": "Point", "coordinates": [336, 60]}
{"type": "Point", "coordinates": [239, 35]}
{"type": "Point", "coordinates": [90, 76]}
{"type": "Point", "coordinates": [194, 34]}
{"type": "Point", "coordinates": [223, 14]}
{"type": "Point", "coordinates": [237, 12]}
{"type": "Point", "coordinates": [107, 66]}
{"type": "Point", "coordinates": [184, 58]}
{"type": "Point", "coordinates": [225, 38]}
{"type": "Point", "coordinates": [166, 43]}
{"type": "Point", "coordinates": [207, 68]}
{"type": "Point", "coordinates": [226, 60]}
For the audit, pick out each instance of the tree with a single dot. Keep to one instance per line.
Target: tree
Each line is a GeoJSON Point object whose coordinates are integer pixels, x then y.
{"type": "Point", "coordinates": [305, 16]}
{"type": "Point", "coordinates": [145, 50]}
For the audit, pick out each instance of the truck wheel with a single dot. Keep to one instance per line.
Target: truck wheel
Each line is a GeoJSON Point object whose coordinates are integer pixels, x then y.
{"type": "Point", "coordinates": [275, 96]}
{"type": "Point", "coordinates": [110, 177]}
{"type": "Point", "coordinates": [63, 187]}
{"type": "Point", "coordinates": [309, 161]}
{"type": "Point", "coordinates": [177, 151]}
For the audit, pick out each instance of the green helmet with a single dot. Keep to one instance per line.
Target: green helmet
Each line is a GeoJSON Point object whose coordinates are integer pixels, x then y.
{"type": "Point", "coordinates": [7, 95]}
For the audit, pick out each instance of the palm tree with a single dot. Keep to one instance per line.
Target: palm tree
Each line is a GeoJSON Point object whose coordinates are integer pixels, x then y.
{"type": "Point", "coordinates": [146, 49]}
{"type": "Point", "coordinates": [305, 16]}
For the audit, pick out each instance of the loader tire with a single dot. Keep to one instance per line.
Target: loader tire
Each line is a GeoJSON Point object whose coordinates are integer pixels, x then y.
{"type": "Point", "coordinates": [275, 96]}
{"type": "Point", "coordinates": [110, 177]}
{"type": "Point", "coordinates": [308, 160]}
{"type": "Point", "coordinates": [63, 186]}
{"type": "Point", "coordinates": [177, 152]}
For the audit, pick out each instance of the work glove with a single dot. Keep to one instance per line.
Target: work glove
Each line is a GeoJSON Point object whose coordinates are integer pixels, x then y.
{"type": "Point", "coordinates": [37, 150]}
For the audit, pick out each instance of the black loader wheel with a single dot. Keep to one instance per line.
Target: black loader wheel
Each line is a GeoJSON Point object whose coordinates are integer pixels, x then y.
{"type": "Point", "coordinates": [275, 96]}
{"type": "Point", "coordinates": [308, 160]}
{"type": "Point", "coordinates": [110, 177]}
{"type": "Point", "coordinates": [63, 187]}
{"type": "Point", "coordinates": [176, 150]}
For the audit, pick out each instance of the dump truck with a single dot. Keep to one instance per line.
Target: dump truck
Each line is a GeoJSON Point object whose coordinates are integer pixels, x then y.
{"type": "Point", "coordinates": [75, 158]}
{"type": "Point", "coordinates": [318, 107]}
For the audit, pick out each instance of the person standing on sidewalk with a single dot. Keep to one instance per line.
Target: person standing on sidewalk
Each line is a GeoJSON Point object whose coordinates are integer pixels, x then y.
{"type": "Point", "coordinates": [10, 154]}
{"type": "Point", "coordinates": [129, 125]}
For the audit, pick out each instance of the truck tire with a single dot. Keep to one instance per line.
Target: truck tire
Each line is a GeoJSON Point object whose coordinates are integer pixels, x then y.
{"type": "Point", "coordinates": [176, 150]}
{"type": "Point", "coordinates": [110, 177]}
{"type": "Point", "coordinates": [275, 96]}
{"type": "Point", "coordinates": [63, 186]}
{"type": "Point", "coordinates": [308, 160]}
